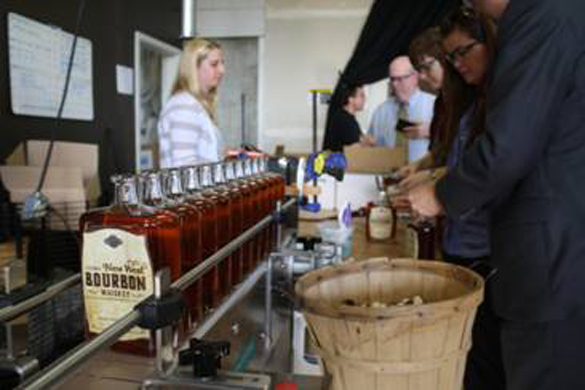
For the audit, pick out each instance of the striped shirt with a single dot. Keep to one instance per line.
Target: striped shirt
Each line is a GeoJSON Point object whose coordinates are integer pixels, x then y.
{"type": "Point", "coordinates": [187, 135]}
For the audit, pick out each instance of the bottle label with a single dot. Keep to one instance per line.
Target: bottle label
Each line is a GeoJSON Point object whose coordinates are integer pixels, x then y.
{"type": "Point", "coordinates": [380, 223]}
{"type": "Point", "coordinates": [411, 243]}
{"type": "Point", "coordinates": [117, 275]}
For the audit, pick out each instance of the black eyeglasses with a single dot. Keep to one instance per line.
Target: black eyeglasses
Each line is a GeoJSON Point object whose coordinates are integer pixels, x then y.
{"type": "Point", "coordinates": [460, 52]}
{"type": "Point", "coordinates": [425, 66]}
{"type": "Point", "coordinates": [395, 79]}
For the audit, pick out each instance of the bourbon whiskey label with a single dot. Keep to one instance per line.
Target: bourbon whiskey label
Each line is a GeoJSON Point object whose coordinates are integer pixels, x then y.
{"type": "Point", "coordinates": [117, 275]}
{"type": "Point", "coordinates": [380, 223]}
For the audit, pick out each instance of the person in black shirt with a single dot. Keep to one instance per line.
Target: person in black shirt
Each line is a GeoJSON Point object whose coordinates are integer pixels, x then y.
{"type": "Point", "coordinates": [344, 129]}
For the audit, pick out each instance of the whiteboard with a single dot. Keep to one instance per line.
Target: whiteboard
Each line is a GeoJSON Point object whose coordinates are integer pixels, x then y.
{"type": "Point", "coordinates": [38, 60]}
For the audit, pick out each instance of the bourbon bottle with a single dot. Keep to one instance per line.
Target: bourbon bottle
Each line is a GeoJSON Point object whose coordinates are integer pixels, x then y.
{"type": "Point", "coordinates": [154, 196]}
{"type": "Point", "coordinates": [380, 220]}
{"type": "Point", "coordinates": [238, 220]}
{"type": "Point", "coordinates": [209, 232]}
{"type": "Point", "coordinates": [249, 214]}
{"type": "Point", "coordinates": [265, 207]}
{"type": "Point", "coordinates": [256, 247]}
{"type": "Point", "coordinates": [276, 194]}
{"type": "Point", "coordinates": [123, 246]}
{"type": "Point", "coordinates": [193, 253]}
{"type": "Point", "coordinates": [223, 208]}
{"type": "Point", "coordinates": [233, 268]}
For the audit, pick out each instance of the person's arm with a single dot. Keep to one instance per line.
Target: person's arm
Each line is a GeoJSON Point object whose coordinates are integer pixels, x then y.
{"type": "Point", "coordinates": [531, 77]}
{"type": "Point", "coordinates": [418, 131]}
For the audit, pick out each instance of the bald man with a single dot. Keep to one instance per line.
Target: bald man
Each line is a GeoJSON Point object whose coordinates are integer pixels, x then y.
{"type": "Point", "coordinates": [405, 101]}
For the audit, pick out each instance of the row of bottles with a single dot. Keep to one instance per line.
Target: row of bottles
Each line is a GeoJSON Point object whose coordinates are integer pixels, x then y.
{"type": "Point", "coordinates": [174, 218]}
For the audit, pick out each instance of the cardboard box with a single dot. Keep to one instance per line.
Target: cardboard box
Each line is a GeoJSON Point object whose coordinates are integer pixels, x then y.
{"type": "Point", "coordinates": [65, 154]}
{"type": "Point", "coordinates": [377, 160]}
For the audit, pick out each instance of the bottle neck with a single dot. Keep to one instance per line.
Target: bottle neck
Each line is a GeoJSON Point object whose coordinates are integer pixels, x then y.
{"type": "Point", "coordinates": [239, 169]}
{"type": "Point", "coordinates": [126, 193]}
{"type": "Point", "coordinates": [254, 167]}
{"type": "Point", "coordinates": [247, 168]}
{"type": "Point", "coordinates": [218, 174]}
{"type": "Point", "coordinates": [262, 165]}
{"type": "Point", "coordinates": [174, 184]}
{"type": "Point", "coordinates": [153, 194]}
{"type": "Point", "coordinates": [191, 179]}
{"type": "Point", "coordinates": [206, 178]}
{"type": "Point", "coordinates": [229, 171]}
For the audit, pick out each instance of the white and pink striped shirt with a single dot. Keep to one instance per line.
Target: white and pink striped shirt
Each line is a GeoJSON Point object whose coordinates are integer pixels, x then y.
{"type": "Point", "coordinates": [187, 135]}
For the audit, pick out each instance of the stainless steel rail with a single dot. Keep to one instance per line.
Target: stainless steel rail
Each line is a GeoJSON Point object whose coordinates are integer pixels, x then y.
{"type": "Point", "coordinates": [11, 312]}
{"type": "Point", "coordinates": [194, 274]}
{"type": "Point", "coordinates": [83, 352]}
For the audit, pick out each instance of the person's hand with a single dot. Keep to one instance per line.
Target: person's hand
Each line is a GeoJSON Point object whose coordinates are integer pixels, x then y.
{"type": "Point", "coordinates": [419, 130]}
{"type": "Point", "coordinates": [423, 200]}
{"type": "Point", "coordinates": [368, 140]}
{"type": "Point", "coordinates": [415, 179]}
{"type": "Point", "coordinates": [407, 170]}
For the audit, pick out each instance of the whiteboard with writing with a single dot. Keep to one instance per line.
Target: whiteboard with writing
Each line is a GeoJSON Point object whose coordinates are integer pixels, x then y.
{"type": "Point", "coordinates": [38, 58]}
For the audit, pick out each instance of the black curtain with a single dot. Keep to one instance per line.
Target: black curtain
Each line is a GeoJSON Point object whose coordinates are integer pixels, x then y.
{"type": "Point", "coordinates": [388, 30]}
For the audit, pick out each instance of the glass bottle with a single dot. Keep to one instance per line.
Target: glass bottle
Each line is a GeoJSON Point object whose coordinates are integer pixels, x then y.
{"type": "Point", "coordinates": [233, 268]}
{"type": "Point", "coordinates": [257, 214]}
{"type": "Point", "coordinates": [209, 226]}
{"type": "Point", "coordinates": [153, 195]}
{"type": "Point", "coordinates": [380, 220]}
{"type": "Point", "coordinates": [238, 220]}
{"type": "Point", "coordinates": [122, 248]}
{"type": "Point", "coordinates": [265, 203]}
{"type": "Point", "coordinates": [276, 194]}
{"type": "Point", "coordinates": [421, 235]}
{"type": "Point", "coordinates": [193, 253]}
{"type": "Point", "coordinates": [223, 224]}
{"type": "Point", "coordinates": [249, 214]}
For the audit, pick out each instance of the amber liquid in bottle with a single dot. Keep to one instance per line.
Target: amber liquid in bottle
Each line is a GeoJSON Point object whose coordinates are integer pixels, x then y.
{"type": "Point", "coordinates": [209, 284]}
{"type": "Point", "coordinates": [278, 187]}
{"type": "Point", "coordinates": [223, 208]}
{"type": "Point", "coordinates": [118, 269]}
{"type": "Point", "coordinates": [256, 189]}
{"type": "Point", "coordinates": [265, 206]}
{"type": "Point", "coordinates": [249, 213]}
{"type": "Point", "coordinates": [380, 220]}
{"type": "Point", "coordinates": [193, 253]}
{"type": "Point", "coordinates": [222, 173]}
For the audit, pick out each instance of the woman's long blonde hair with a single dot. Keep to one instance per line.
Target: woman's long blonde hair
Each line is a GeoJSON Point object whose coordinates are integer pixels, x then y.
{"type": "Point", "coordinates": [195, 51]}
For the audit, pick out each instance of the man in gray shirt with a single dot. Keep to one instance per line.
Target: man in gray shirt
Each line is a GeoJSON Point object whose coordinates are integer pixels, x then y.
{"type": "Point", "coordinates": [405, 101]}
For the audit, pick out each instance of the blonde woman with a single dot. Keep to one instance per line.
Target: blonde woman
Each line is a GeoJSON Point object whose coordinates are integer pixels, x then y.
{"type": "Point", "coordinates": [187, 126]}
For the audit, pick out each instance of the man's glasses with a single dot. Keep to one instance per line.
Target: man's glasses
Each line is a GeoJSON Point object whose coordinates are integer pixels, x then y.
{"type": "Point", "coordinates": [426, 66]}
{"type": "Point", "coordinates": [397, 79]}
{"type": "Point", "coordinates": [460, 52]}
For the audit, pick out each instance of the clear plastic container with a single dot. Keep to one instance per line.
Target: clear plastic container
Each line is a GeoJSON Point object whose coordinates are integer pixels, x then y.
{"type": "Point", "coordinates": [332, 232]}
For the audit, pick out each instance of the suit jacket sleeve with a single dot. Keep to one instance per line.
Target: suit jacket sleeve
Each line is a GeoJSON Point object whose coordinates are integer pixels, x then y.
{"type": "Point", "coordinates": [530, 77]}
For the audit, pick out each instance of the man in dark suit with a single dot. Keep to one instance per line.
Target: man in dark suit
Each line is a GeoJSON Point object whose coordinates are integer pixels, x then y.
{"type": "Point", "coordinates": [528, 170]}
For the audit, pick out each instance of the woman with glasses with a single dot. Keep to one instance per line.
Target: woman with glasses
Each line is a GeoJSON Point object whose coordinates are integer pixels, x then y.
{"type": "Point", "coordinates": [426, 54]}
{"type": "Point", "coordinates": [466, 39]}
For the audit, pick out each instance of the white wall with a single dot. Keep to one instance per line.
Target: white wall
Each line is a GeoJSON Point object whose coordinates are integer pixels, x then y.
{"type": "Point", "coordinates": [307, 43]}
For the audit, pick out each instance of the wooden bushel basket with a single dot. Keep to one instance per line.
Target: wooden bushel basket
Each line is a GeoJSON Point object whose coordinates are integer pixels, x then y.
{"type": "Point", "coordinates": [420, 347]}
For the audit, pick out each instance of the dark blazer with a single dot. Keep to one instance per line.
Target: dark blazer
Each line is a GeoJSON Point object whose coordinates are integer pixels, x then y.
{"type": "Point", "coordinates": [528, 168]}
